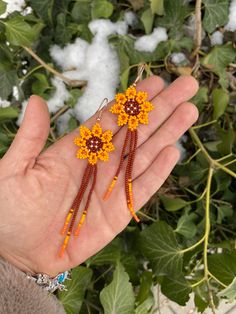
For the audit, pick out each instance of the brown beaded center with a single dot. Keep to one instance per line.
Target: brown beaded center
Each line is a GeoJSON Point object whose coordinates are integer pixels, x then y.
{"type": "Point", "coordinates": [132, 107]}
{"type": "Point", "coordinates": [94, 144]}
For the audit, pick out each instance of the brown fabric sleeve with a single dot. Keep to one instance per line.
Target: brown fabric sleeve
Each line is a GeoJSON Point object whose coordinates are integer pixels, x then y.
{"type": "Point", "coordinates": [20, 295]}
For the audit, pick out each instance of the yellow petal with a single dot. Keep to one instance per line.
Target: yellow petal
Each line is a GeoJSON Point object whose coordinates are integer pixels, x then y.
{"type": "Point", "coordinates": [141, 97]}
{"type": "Point", "coordinates": [130, 92]}
{"type": "Point", "coordinates": [120, 98]}
{"type": "Point", "coordinates": [97, 130]}
{"type": "Point", "coordinates": [103, 155]}
{"type": "Point", "coordinates": [117, 108]}
{"type": "Point", "coordinates": [85, 132]}
{"type": "Point", "coordinates": [82, 153]}
{"type": "Point", "coordinates": [107, 136]}
{"type": "Point", "coordinates": [147, 106]}
{"type": "Point", "coordinates": [108, 147]}
{"type": "Point", "coordinates": [122, 119]}
{"type": "Point", "coordinates": [79, 141]}
{"type": "Point", "coordinates": [133, 123]}
{"type": "Point", "coordinates": [143, 117]}
{"type": "Point", "coordinates": [93, 158]}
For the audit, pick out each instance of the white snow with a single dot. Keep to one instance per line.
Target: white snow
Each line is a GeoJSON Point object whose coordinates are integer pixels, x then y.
{"type": "Point", "coordinates": [4, 103]}
{"type": "Point", "coordinates": [13, 5]}
{"type": "Point", "coordinates": [97, 63]}
{"type": "Point", "coordinates": [59, 97]}
{"type": "Point", "coordinates": [21, 115]}
{"type": "Point", "coordinates": [130, 18]}
{"type": "Point", "coordinates": [231, 25]}
{"type": "Point", "coordinates": [15, 92]}
{"type": "Point", "coordinates": [149, 43]}
{"type": "Point", "coordinates": [178, 58]}
{"type": "Point", "coordinates": [217, 38]}
{"type": "Point", "coordinates": [62, 121]}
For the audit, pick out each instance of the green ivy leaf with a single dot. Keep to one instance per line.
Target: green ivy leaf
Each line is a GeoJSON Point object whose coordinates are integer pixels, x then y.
{"type": "Point", "coordinates": [8, 79]}
{"type": "Point", "coordinates": [19, 32]}
{"type": "Point", "coordinates": [41, 85]}
{"type": "Point", "coordinates": [172, 204]}
{"type": "Point", "coordinates": [118, 296]}
{"type": "Point", "coordinates": [229, 292]}
{"type": "Point", "coordinates": [101, 9]}
{"type": "Point", "coordinates": [217, 61]}
{"type": "Point", "coordinates": [186, 226]}
{"type": "Point", "coordinates": [73, 298]}
{"type": "Point", "coordinates": [81, 11]}
{"type": "Point", "coordinates": [3, 6]}
{"type": "Point", "coordinates": [223, 266]}
{"type": "Point", "coordinates": [145, 307]}
{"type": "Point", "coordinates": [220, 100]}
{"type": "Point", "coordinates": [175, 14]}
{"type": "Point", "coordinates": [227, 138]}
{"type": "Point", "coordinates": [146, 282]}
{"type": "Point", "coordinates": [176, 289]}
{"type": "Point", "coordinates": [157, 6]}
{"type": "Point", "coordinates": [109, 255]}
{"type": "Point", "coordinates": [201, 98]}
{"type": "Point", "coordinates": [216, 14]}
{"type": "Point", "coordinates": [8, 113]}
{"type": "Point", "coordinates": [147, 19]}
{"type": "Point", "coordinates": [158, 244]}
{"type": "Point", "coordinates": [43, 9]}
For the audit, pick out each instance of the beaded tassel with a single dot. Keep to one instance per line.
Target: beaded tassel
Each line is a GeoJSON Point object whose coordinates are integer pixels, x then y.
{"type": "Point", "coordinates": [94, 145]}
{"type": "Point", "coordinates": [132, 109]}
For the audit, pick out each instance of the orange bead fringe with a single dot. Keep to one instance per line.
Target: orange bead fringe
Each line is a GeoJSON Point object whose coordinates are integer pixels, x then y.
{"type": "Point", "coordinates": [94, 145]}
{"type": "Point", "coordinates": [132, 108]}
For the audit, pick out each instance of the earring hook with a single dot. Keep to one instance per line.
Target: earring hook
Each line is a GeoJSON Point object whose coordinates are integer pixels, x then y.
{"type": "Point", "coordinates": [141, 68]}
{"type": "Point", "coordinates": [101, 107]}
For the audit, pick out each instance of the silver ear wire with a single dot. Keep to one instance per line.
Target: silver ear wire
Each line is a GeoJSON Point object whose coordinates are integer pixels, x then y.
{"type": "Point", "coordinates": [103, 104]}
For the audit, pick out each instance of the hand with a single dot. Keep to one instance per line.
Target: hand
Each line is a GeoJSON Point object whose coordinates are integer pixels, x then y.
{"type": "Point", "coordinates": [37, 188]}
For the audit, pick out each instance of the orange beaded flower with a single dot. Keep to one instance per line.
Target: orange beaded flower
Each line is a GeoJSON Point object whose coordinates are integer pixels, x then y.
{"type": "Point", "coordinates": [94, 144]}
{"type": "Point", "coordinates": [132, 108]}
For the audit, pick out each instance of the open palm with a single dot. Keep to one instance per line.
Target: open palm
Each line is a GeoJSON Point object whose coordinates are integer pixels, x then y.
{"type": "Point", "coordinates": [37, 188]}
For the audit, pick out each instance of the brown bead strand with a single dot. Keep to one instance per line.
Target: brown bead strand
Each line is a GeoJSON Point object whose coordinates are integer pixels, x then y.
{"type": "Point", "coordinates": [76, 233]}
{"type": "Point", "coordinates": [83, 187]}
{"type": "Point", "coordinates": [70, 213]}
{"type": "Point", "coordinates": [122, 157]}
{"type": "Point", "coordinates": [128, 174]}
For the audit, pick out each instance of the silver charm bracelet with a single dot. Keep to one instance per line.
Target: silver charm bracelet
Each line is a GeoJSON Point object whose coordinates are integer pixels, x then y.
{"type": "Point", "coordinates": [51, 284]}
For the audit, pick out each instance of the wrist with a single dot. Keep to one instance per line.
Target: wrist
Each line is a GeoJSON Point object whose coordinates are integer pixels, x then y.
{"type": "Point", "coordinates": [18, 262]}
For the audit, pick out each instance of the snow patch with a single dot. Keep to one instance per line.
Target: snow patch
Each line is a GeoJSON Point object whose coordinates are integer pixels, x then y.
{"type": "Point", "coordinates": [149, 43]}
{"type": "Point", "coordinates": [217, 38]}
{"type": "Point", "coordinates": [231, 25]}
{"type": "Point", "coordinates": [178, 58]}
{"type": "Point", "coordinates": [4, 103]}
{"type": "Point", "coordinates": [13, 5]}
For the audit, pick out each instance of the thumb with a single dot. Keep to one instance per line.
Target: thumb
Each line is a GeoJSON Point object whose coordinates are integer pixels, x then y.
{"type": "Point", "coordinates": [31, 136]}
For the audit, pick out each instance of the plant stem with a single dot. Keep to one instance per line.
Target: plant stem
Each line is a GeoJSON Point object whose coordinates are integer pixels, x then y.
{"type": "Point", "coordinates": [59, 112]}
{"type": "Point", "coordinates": [217, 280]}
{"type": "Point", "coordinates": [203, 124]}
{"type": "Point", "coordinates": [68, 81]}
{"type": "Point", "coordinates": [30, 72]}
{"type": "Point", "coordinates": [213, 163]}
{"type": "Point", "coordinates": [198, 283]}
{"type": "Point", "coordinates": [207, 232]}
{"type": "Point", "coordinates": [193, 246]}
{"type": "Point", "coordinates": [146, 216]}
{"type": "Point", "coordinates": [198, 25]}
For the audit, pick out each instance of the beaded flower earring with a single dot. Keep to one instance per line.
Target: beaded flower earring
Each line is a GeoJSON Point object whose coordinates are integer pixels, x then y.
{"type": "Point", "coordinates": [94, 146]}
{"type": "Point", "coordinates": [132, 108]}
